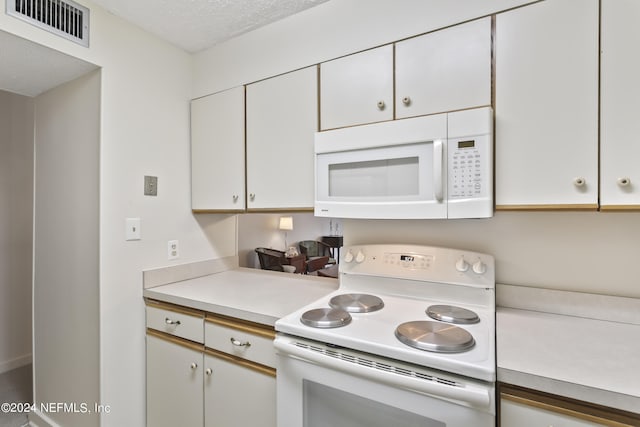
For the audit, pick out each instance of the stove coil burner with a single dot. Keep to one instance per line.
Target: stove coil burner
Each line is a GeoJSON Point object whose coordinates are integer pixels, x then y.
{"type": "Point", "coordinates": [357, 303]}
{"type": "Point", "coordinates": [452, 314]}
{"type": "Point", "coordinates": [433, 336]}
{"type": "Point", "coordinates": [325, 318]}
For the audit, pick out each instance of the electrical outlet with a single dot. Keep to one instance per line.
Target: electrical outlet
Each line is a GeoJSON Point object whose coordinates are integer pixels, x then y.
{"type": "Point", "coordinates": [173, 251]}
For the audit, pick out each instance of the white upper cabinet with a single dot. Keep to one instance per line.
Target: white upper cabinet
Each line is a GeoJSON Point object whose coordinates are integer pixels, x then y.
{"type": "Point", "coordinates": [282, 118]}
{"type": "Point", "coordinates": [546, 106]}
{"type": "Point", "coordinates": [357, 89]}
{"type": "Point", "coordinates": [620, 109]}
{"type": "Point", "coordinates": [217, 152]}
{"type": "Point", "coordinates": [445, 70]}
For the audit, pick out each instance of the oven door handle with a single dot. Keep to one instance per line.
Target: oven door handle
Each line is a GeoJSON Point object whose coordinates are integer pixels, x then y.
{"type": "Point", "coordinates": [466, 394]}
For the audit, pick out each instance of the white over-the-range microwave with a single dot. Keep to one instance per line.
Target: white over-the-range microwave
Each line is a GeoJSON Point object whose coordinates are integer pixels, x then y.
{"type": "Point", "coordinates": [438, 166]}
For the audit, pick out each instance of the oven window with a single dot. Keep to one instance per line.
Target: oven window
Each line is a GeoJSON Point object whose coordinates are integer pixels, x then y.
{"type": "Point", "coordinates": [375, 178]}
{"type": "Point", "coordinates": [329, 407]}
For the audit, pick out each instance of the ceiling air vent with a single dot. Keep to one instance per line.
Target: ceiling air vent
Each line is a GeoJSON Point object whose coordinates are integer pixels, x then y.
{"type": "Point", "coordinates": [62, 17]}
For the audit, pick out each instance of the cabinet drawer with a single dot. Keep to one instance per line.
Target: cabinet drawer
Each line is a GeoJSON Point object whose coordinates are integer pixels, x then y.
{"type": "Point", "coordinates": [241, 339]}
{"type": "Point", "coordinates": [175, 321]}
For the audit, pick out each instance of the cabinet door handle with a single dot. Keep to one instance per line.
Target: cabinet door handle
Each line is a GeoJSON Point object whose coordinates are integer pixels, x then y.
{"type": "Point", "coordinates": [171, 322]}
{"type": "Point", "coordinates": [193, 366]}
{"type": "Point", "coordinates": [406, 101]}
{"type": "Point", "coordinates": [208, 371]}
{"type": "Point", "coordinates": [579, 181]}
{"type": "Point", "coordinates": [240, 343]}
{"type": "Point", "coordinates": [252, 196]}
{"type": "Point", "coordinates": [381, 105]}
{"type": "Point", "coordinates": [235, 197]}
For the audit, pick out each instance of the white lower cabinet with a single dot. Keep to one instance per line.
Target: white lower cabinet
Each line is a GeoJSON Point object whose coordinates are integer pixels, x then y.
{"type": "Point", "coordinates": [515, 414]}
{"type": "Point", "coordinates": [174, 382]}
{"type": "Point", "coordinates": [237, 395]}
{"type": "Point", "coordinates": [523, 407]}
{"type": "Point", "coordinates": [226, 379]}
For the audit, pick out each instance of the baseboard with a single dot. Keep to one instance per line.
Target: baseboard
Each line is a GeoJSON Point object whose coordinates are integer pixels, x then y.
{"type": "Point", "coordinates": [18, 362]}
{"type": "Point", "coordinates": [38, 419]}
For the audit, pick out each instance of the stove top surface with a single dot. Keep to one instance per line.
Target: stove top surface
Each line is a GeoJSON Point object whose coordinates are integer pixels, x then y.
{"type": "Point", "coordinates": [375, 333]}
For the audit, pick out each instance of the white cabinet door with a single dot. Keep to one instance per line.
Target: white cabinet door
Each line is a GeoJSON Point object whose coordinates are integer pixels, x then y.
{"type": "Point", "coordinates": [282, 118]}
{"type": "Point", "coordinates": [514, 414]}
{"type": "Point", "coordinates": [445, 70]}
{"type": "Point", "coordinates": [357, 89]}
{"type": "Point", "coordinates": [237, 396]}
{"type": "Point", "coordinates": [620, 109]}
{"type": "Point", "coordinates": [546, 105]}
{"type": "Point", "coordinates": [217, 152]}
{"type": "Point", "coordinates": [174, 384]}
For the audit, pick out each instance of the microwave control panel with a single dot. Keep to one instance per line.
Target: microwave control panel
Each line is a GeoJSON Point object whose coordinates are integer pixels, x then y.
{"type": "Point", "coordinates": [468, 167]}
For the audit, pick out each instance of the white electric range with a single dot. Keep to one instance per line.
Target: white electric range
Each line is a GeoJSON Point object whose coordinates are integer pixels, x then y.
{"type": "Point", "coordinates": [415, 320]}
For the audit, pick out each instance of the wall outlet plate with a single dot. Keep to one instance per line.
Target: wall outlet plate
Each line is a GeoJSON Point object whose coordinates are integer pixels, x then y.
{"type": "Point", "coordinates": [173, 251]}
{"type": "Point", "coordinates": [150, 185]}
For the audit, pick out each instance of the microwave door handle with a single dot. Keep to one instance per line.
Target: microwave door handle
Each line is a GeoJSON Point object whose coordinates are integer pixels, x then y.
{"type": "Point", "coordinates": [437, 170]}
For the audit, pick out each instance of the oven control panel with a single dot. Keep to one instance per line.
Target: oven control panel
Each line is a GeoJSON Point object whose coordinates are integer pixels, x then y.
{"type": "Point", "coordinates": [416, 262]}
{"type": "Point", "coordinates": [406, 260]}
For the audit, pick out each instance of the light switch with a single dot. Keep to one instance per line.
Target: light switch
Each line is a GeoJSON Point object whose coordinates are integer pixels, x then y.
{"type": "Point", "coordinates": [150, 185]}
{"type": "Point", "coordinates": [132, 230]}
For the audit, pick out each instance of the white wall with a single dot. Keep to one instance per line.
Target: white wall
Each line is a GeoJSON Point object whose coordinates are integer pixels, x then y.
{"type": "Point", "coordinates": [16, 213]}
{"type": "Point", "coordinates": [66, 257]}
{"type": "Point", "coordinates": [146, 85]}
{"type": "Point", "coordinates": [575, 251]}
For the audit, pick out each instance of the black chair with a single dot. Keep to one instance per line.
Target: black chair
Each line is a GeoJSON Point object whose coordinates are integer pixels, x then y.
{"type": "Point", "coordinates": [271, 259]}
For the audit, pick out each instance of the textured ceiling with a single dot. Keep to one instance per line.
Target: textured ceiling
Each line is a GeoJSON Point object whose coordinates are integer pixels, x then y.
{"type": "Point", "coordinates": [194, 25]}
{"type": "Point", "coordinates": [30, 69]}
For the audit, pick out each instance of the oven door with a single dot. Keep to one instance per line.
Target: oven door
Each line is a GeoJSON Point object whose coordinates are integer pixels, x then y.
{"type": "Point", "coordinates": [321, 386]}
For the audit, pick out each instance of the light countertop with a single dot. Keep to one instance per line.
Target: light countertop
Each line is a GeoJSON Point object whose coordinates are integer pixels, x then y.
{"type": "Point", "coordinates": [245, 293]}
{"type": "Point", "coordinates": [595, 360]}
{"type": "Point", "coordinates": [581, 346]}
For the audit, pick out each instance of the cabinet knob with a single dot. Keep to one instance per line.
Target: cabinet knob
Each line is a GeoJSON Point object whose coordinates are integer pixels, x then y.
{"type": "Point", "coordinates": [235, 197]}
{"type": "Point", "coordinates": [381, 105]}
{"type": "Point", "coordinates": [579, 181]}
{"type": "Point", "coordinates": [252, 196]}
{"type": "Point", "coordinates": [624, 181]}
{"type": "Point", "coordinates": [208, 371]}
{"type": "Point", "coordinates": [193, 366]}
{"type": "Point", "coordinates": [240, 343]}
{"type": "Point", "coordinates": [406, 101]}
{"type": "Point", "coordinates": [171, 322]}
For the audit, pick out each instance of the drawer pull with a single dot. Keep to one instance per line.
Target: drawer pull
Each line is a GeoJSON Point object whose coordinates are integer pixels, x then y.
{"type": "Point", "coordinates": [239, 343]}
{"type": "Point", "coordinates": [171, 322]}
